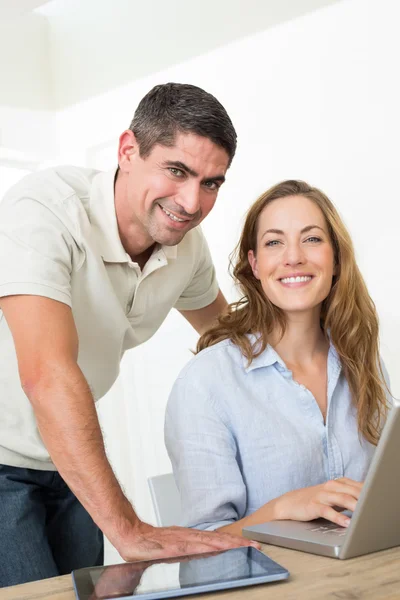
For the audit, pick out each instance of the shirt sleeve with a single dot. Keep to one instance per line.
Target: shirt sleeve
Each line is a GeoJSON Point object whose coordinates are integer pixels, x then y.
{"type": "Point", "coordinates": [35, 251]}
{"type": "Point", "coordinates": [203, 454]}
{"type": "Point", "coordinates": [203, 287]}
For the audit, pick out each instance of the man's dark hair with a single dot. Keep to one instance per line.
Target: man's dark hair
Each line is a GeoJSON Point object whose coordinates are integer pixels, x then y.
{"type": "Point", "coordinates": [174, 108]}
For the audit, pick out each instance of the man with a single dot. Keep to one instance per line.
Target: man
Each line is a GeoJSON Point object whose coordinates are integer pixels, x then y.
{"type": "Point", "coordinates": [90, 265]}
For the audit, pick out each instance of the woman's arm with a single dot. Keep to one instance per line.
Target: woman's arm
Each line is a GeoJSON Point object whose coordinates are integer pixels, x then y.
{"type": "Point", "coordinates": [203, 453]}
{"type": "Point", "coordinates": [306, 504]}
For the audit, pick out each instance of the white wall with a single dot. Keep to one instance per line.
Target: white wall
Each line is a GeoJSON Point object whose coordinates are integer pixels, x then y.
{"type": "Point", "coordinates": [314, 99]}
{"type": "Point", "coordinates": [27, 131]}
{"type": "Point", "coordinates": [24, 65]}
{"type": "Point", "coordinates": [27, 135]}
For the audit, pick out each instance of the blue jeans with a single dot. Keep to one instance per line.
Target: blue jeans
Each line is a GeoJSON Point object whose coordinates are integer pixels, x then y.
{"type": "Point", "coordinates": [44, 530]}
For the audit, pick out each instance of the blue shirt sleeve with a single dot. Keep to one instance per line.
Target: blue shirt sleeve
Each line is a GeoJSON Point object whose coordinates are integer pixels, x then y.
{"type": "Point", "coordinates": [203, 453]}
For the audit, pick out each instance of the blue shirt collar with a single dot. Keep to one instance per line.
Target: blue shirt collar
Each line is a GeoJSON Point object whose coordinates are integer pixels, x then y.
{"type": "Point", "coordinates": [270, 357]}
{"type": "Point", "coordinates": [266, 359]}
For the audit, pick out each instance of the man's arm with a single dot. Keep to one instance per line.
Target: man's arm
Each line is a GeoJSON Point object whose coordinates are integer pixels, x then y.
{"type": "Point", "coordinates": [46, 344]}
{"type": "Point", "coordinates": [202, 318]}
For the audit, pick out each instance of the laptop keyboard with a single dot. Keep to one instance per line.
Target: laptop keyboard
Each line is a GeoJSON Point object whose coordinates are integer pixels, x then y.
{"type": "Point", "coordinates": [328, 529]}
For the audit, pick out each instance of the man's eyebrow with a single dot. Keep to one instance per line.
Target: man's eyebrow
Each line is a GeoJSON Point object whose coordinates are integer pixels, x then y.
{"type": "Point", "coordinates": [180, 165]}
{"type": "Point", "coordinates": [219, 178]}
{"type": "Point", "coordinates": [304, 230]}
{"type": "Point", "coordinates": [177, 164]}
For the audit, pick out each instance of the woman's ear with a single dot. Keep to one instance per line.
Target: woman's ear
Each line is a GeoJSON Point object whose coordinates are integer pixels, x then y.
{"type": "Point", "coordinates": [253, 263]}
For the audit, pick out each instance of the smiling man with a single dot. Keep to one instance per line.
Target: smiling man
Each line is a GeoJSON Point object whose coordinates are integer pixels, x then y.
{"type": "Point", "coordinates": [90, 265]}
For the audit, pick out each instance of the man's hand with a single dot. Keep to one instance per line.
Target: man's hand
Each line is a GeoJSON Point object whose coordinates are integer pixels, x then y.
{"type": "Point", "coordinates": [147, 542]}
{"type": "Point", "coordinates": [320, 501]}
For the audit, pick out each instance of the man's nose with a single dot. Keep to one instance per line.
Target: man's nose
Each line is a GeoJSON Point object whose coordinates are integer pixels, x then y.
{"type": "Point", "coordinates": [189, 198]}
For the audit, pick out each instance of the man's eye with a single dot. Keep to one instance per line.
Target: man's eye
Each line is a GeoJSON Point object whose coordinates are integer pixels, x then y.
{"type": "Point", "coordinates": [211, 185]}
{"type": "Point", "coordinates": [176, 172]}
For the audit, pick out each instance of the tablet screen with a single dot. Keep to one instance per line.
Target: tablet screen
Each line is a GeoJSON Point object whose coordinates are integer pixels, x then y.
{"type": "Point", "coordinates": [178, 576]}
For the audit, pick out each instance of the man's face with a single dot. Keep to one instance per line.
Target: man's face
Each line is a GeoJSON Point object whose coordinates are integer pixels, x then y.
{"type": "Point", "coordinates": [171, 190]}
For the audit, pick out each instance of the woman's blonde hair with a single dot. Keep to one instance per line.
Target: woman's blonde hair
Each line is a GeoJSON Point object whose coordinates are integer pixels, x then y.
{"type": "Point", "coordinates": [348, 313]}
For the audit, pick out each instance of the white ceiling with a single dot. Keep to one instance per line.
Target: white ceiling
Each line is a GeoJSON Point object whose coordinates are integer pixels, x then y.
{"type": "Point", "coordinates": [79, 49]}
{"type": "Point", "coordinates": [10, 9]}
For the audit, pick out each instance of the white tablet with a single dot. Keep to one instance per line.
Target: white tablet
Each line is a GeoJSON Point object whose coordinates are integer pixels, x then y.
{"type": "Point", "coordinates": [169, 578]}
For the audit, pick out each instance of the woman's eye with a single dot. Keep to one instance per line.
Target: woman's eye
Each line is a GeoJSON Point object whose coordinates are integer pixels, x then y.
{"type": "Point", "coordinates": [273, 243]}
{"type": "Point", "coordinates": [313, 239]}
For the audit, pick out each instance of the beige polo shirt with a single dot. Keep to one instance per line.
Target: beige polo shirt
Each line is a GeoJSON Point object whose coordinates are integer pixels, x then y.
{"type": "Point", "coordinates": [59, 239]}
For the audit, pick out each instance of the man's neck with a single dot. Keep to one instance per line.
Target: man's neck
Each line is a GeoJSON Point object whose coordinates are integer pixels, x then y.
{"type": "Point", "coordinates": [136, 242]}
{"type": "Point", "coordinates": [141, 259]}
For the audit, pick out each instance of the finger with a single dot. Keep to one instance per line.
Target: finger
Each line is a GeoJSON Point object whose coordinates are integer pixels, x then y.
{"type": "Point", "coordinates": [225, 540]}
{"type": "Point", "coordinates": [351, 482]}
{"type": "Point", "coordinates": [338, 486]}
{"type": "Point", "coordinates": [349, 490]}
{"type": "Point", "coordinates": [254, 544]}
{"type": "Point", "coordinates": [177, 550]}
{"type": "Point", "coordinates": [182, 540]}
{"type": "Point", "coordinates": [342, 501]}
{"type": "Point", "coordinates": [191, 548]}
{"type": "Point", "coordinates": [327, 512]}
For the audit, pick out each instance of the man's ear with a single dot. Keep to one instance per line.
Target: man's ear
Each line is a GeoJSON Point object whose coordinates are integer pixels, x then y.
{"type": "Point", "coordinates": [253, 263]}
{"type": "Point", "coordinates": [127, 148]}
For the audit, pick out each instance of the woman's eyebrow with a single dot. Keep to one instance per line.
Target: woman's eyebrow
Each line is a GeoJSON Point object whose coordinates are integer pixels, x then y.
{"type": "Point", "coordinates": [304, 230]}
{"type": "Point", "coordinates": [309, 227]}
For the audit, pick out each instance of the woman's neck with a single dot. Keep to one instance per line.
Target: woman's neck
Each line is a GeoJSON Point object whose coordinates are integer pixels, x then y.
{"type": "Point", "coordinates": [303, 340]}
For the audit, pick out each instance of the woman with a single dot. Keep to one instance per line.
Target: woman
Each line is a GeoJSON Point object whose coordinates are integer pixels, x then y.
{"type": "Point", "coordinates": [278, 415]}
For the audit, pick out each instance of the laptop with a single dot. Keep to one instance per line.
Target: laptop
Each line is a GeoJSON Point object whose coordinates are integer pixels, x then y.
{"type": "Point", "coordinates": [375, 523]}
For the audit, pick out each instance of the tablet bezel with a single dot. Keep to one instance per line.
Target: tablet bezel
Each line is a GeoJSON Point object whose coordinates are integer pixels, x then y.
{"type": "Point", "coordinates": [84, 586]}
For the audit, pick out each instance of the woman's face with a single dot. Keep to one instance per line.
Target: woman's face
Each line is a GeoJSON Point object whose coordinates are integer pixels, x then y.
{"type": "Point", "coordinates": [294, 258]}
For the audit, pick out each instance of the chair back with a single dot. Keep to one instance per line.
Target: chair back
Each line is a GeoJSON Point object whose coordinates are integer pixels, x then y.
{"type": "Point", "coordinates": [166, 499]}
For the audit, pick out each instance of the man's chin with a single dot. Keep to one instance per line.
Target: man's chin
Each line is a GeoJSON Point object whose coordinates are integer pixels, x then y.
{"type": "Point", "coordinates": [172, 239]}
{"type": "Point", "coordinates": [169, 237]}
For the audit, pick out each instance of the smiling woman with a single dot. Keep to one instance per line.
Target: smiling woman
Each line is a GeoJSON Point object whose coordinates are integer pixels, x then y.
{"type": "Point", "coordinates": [295, 263]}
{"type": "Point", "coordinates": [278, 415]}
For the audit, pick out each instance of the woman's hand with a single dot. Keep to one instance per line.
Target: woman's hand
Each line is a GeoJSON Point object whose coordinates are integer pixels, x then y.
{"type": "Point", "coordinates": [325, 500]}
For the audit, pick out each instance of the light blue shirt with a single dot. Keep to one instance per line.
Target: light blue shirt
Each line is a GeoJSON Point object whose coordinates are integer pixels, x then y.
{"type": "Point", "coordinates": [239, 436]}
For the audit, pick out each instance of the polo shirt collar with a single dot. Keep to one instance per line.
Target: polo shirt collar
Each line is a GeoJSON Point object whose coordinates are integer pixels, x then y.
{"type": "Point", "coordinates": [169, 251]}
{"type": "Point", "coordinates": [104, 222]}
